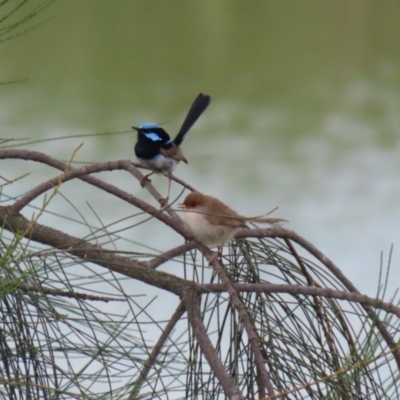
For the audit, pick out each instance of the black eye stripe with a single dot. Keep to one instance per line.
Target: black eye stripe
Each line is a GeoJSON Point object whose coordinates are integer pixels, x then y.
{"type": "Point", "coordinates": [156, 135]}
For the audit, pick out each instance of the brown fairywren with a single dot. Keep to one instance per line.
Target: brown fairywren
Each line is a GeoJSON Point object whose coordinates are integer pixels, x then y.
{"type": "Point", "coordinates": [212, 222]}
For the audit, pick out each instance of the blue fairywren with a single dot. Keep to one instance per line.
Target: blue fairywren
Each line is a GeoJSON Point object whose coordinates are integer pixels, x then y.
{"type": "Point", "coordinates": [157, 151]}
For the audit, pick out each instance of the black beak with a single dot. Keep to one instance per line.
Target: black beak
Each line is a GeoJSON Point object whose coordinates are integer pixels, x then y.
{"type": "Point", "coordinates": [136, 128]}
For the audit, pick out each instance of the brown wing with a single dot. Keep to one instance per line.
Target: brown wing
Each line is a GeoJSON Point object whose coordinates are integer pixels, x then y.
{"type": "Point", "coordinates": [173, 152]}
{"type": "Point", "coordinates": [223, 215]}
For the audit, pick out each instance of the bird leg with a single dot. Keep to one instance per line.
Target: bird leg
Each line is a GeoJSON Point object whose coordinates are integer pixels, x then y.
{"type": "Point", "coordinates": [216, 254]}
{"type": "Point", "coordinates": [164, 201]}
{"type": "Point", "coordinates": [146, 179]}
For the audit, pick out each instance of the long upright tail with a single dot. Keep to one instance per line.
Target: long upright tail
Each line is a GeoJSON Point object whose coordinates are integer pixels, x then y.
{"type": "Point", "coordinates": [198, 107]}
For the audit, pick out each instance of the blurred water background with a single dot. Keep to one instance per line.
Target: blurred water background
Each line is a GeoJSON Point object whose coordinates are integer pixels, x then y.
{"type": "Point", "coordinates": [305, 112]}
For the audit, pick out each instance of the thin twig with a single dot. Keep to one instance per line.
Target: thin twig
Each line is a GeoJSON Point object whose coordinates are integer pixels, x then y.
{"type": "Point", "coordinates": [248, 324]}
{"type": "Point", "coordinates": [341, 371]}
{"type": "Point", "coordinates": [324, 320]}
{"type": "Point", "coordinates": [280, 232]}
{"type": "Point", "coordinates": [132, 168]}
{"type": "Point", "coordinates": [77, 247]}
{"type": "Point", "coordinates": [170, 254]}
{"type": "Point", "coordinates": [174, 178]}
{"type": "Point", "coordinates": [306, 290]}
{"type": "Point", "coordinates": [174, 223]}
{"type": "Point", "coordinates": [176, 316]}
{"type": "Point", "coordinates": [59, 293]}
{"type": "Point", "coordinates": [68, 174]}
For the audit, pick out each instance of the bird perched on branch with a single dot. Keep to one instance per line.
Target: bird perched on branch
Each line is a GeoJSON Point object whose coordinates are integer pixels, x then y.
{"type": "Point", "coordinates": [157, 151]}
{"type": "Point", "coordinates": [213, 223]}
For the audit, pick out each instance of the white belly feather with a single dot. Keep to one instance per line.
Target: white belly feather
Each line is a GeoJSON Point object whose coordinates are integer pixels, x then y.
{"type": "Point", "coordinates": [160, 164]}
{"type": "Point", "coordinates": [206, 233]}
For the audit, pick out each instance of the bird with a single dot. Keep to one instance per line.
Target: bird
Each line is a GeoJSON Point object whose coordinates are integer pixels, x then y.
{"type": "Point", "coordinates": [157, 151]}
{"type": "Point", "coordinates": [212, 222]}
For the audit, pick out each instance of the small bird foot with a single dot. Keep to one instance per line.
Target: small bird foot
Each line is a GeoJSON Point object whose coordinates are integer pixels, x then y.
{"type": "Point", "coordinates": [144, 180]}
{"type": "Point", "coordinates": [216, 254]}
{"type": "Point", "coordinates": [213, 257]}
{"type": "Point", "coordinates": [164, 202]}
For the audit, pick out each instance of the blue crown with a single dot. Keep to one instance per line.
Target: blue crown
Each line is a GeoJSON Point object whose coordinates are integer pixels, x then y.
{"type": "Point", "coordinates": [149, 125]}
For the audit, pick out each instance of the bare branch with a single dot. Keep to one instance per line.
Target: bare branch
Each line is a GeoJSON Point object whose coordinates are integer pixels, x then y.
{"type": "Point", "coordinates": [307, 290]}
{"type": "Point", "coordinates": [248, 324]}
{"type": "Point", "coordinates": [174, 223]}
{"type": "Point", "coordinates": [60, 293]}
{"type": "Point", "coordinates": [131, 167]}
{"type": "Point", "coordinates": [324, 320]}
{"type": "Point", "coordinates": [191, 302]}
{"type": "Point", "coordinates": [170, 254]}
{"type": "Point", "coordinates": [276, 343]}
{"type": "Point", "coordinates": [129, 267]}
{"type": "Point", "coordinates": [280, 232]}
{"type": "Point", "coordinates": [174, 178]}
{"type": "Point", "coordinates": [69, 173]}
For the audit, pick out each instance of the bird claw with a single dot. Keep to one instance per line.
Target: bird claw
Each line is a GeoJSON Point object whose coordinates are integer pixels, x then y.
{"type": "Point", "coordinates": [164, 202]}
{"type": "Point", "coordinates": [144, 180]}
{"type": "Point", "coordinates": [212, 258]}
